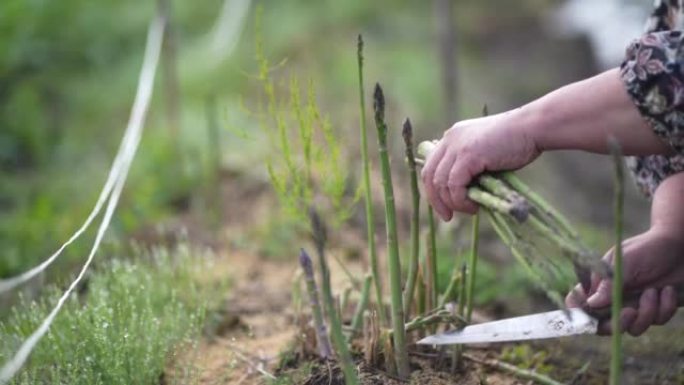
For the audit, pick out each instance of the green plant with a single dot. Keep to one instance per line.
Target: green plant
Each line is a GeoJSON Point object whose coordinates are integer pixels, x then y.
{"type": "Point", "coordinates": [304, 158]}
{"type": "Point", "coordinates": [125, 327]}
{"type": "Point", "coordinates": [368, 201]}
{"type": "Point", "coordinates": [401, 354]}
{"type": "Point", "coordinates": [431, 266]}
{"type": "Point", "coordinates": [525, 357]}
{"type": "Point", "coordinates": [472, 257]}
{"type": "Point", "coordinates": [472, 265]}
{"type": "Point", "coordinates": [407, 134]}
{"type": "Point", "coordinates": [322, 340]}
{"type": "Point", "coordinates": [361, 306]}
{"type": "Point", "coordinates": [457, 352]}
{"type": "Point", "coordinates": [340, 343]}
{"type": "Point", "coordinates": [616, 338]}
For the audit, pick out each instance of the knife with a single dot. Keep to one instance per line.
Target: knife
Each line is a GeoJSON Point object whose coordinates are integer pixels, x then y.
{"type": "Point", "coordinates": [552, 324]}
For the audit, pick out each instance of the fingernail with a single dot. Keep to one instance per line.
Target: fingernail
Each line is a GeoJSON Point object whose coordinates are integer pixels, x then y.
{"type": "Point", "coordinates": [593, 300]}
{"type": "Point", "coordinates": [601, 296]}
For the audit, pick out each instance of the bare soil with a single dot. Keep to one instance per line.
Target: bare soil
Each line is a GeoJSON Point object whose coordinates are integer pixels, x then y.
{"type": "Point", "coordinates": [256, 337]}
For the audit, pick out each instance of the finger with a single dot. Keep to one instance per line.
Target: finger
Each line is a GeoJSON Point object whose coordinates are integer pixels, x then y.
{"type": "Point", "coordinates": [576, 297]}
{"type": "Point", "coordinates": [627, 316]}
{"type": "Point", "coordinates": [428, 175]}
{"type": "Point", "coordinates": [428, 172]}
{"type": "Point", "coordinates": [648, 310]}
{"type": "Point", "coordinates": [595, 281]}
{"type": "Point", "coordinates": [631, 277]}
{"type": "Point", "coordinates": [668, 305]}
{"type": "Point", "coordinates": [441, 178]}
{"type": "Point", "coordinates": [464, 169]}
{"type": "Point", "coordinates": [603, 295]}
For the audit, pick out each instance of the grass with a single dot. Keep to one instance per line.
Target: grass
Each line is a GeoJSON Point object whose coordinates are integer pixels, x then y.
{"type": "Point", "coordinates": [125, 327]}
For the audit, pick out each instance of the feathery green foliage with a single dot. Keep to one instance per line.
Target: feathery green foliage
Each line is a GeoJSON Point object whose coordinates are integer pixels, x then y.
{"type": "Point", "coordinates": [123, 329]}
{"type": "Point", "coordinates": [304, 163]}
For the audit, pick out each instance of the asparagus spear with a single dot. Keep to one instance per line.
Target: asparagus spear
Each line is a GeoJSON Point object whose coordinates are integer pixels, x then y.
{"type": "Point", "coordinates": [361, 306]}
{"type": "Point", "coordinates": [322, 340]}
{"type": "Point", "coordinates": [401, 354]}
{"type": "Point", "coordinates": [407, 133]}
{"type": "Point", "coordinates": [616, 338]}
{"type": "Point", "coordinates": [372, 249]}
{"type": "Point", "coordinates": [340, 343]}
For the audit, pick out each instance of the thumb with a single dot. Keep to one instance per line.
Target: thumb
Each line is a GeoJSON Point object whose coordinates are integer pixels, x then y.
{"type": "Point", "coordinates": [603, 295]}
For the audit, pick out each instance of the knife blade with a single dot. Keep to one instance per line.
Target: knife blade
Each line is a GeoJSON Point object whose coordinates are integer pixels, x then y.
{"type": "Point", "coordinates": [553, 324]}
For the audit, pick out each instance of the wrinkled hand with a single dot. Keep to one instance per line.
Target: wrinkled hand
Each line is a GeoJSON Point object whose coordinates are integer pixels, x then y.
{"type": "Point", "coordinates": [652, 263]}
{"type": "Point", "coordinates": [470, 147]}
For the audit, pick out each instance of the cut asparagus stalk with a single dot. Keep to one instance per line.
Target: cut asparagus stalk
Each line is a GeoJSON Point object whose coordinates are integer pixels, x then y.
{"type": "Point", "coordinates": [538, 201]}
{"type": "Point", "coordinates": [492, 202]}
{"type": "Point", "coordinates": [520, 209]}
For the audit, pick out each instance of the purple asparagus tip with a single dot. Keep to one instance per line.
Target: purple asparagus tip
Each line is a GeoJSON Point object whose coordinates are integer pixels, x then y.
{"type": "Point", "coordinates": [305, 261]}
{"type": "Point", "coordinates": [407, 132]}
{"type": "Point", "coordinates": [379, 102]}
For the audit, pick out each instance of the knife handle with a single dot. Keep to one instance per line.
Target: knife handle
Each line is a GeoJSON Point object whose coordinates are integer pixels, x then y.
{"type": "Point", "coordinates": [629, 299]}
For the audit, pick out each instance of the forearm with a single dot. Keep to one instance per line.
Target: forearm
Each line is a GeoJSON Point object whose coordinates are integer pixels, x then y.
{"type": "Point", "coordinates": [667, 210]}
{"type": "Point", "coordinates": [583, 115]}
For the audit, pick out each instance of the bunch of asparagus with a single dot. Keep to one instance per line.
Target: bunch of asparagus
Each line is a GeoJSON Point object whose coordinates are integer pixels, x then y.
{"type": "Point", "coordinates": [515, 212]}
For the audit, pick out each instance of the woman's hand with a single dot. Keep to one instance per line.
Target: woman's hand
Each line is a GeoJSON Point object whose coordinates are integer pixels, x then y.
{"type": "Point", "coordinates": [579, 116]}
{"type": "Point", "coordinates": [653, 262]}
{"type": "Point", "coordinates": [470, 147]}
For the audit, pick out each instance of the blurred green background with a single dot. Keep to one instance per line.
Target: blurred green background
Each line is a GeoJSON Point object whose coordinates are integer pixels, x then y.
{"type": "Point", "coordinates": [68, 72]}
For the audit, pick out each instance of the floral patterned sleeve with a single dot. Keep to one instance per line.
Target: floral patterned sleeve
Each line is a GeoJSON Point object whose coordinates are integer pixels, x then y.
{"type": "Point", "coordinates": [653, 74]}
